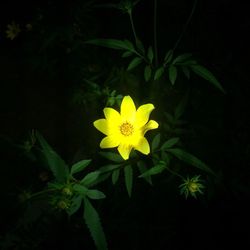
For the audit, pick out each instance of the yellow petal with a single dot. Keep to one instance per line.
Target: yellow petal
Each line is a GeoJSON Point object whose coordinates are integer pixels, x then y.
{"type": "Point", "coordinates": [143, 146]}
{"type": "Point", "coordinates": [151, 125]}
{"type": "Point", "coordinates": [124, 150]}
{"type": "Point", "coordinates": [109, 142]}
{"type": "Point", "coordinates": [142, 114]}
{"type": "Point", "coordinates": [111, 114]}
{"type": "Point", "coordinates": [102, 126]}
{"type": "Point", "coordinates": [128, 110]}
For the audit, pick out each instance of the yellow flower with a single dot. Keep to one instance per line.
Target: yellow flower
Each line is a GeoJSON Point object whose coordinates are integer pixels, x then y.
{"type": "Point", "coordinates": [126, 129]}
{"type": "Point", "coordinates": [13, 30]}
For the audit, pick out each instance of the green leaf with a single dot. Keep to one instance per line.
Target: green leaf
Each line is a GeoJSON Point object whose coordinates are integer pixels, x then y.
{"type": "Point", "coordinates": [168, 57]}
{"type": "Point", "coordinates": [128, 174]}
{"type": "Point", "coordinates": [154, 170]}
{"type": "Point", "coordinates": [140, 46]}
{"type": "Point", "coordinates": [156, 142]}
{"type": "Point", "coordinates": [79, 166]}
{"type": "Point", "coordinates": [127, 54]}
{"type": "Point", "coordinates": [55, 162]}
{"type": "Point", "coordinates": [93, 222]}
{"type": "Point", "coordinates": [207, 75]}
{"type": "Point", "coordinates": [172, 73]}
{"type": "Point", "coordinates": [90, 178]}
{"type": "Point", "coordinates": [95, 194]}
{"type": "Point", "coordinates": [135, 62]}
{"type": "Point", "coordinates": [147, 73]}
{"type": "Point", "coordinates": [158, 73]}
{"type": "Point", "coordinates": [190, 159]}
{"type": "Point", "coordinates": [150, 54]}
{"type": "Point", "coordinates": [181, 58]}
{"type": "Point", "coordinates": [142, 168]}
{"type": "Point", "coordinates": [112, 44]}
{"type": "Point", "coordinates": [170, 143]}
{"type": "Point", "coordinates": [109, 168]}
{"type": "Point", "coordinates": [186, 71]}
{"type": "Point", "coordinates": [115, 176]}
{"type": "Point", "coordinates": [80, 189]}
{"type": "Point", "coordinates": [179, 110]}
{"type": "Point", "coordinates": [75, 204]}
{"type": "Point", "coordinates": [112, 156]}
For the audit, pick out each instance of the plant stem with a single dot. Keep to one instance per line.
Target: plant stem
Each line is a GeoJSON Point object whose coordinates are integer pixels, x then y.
{"type": "Point", "coordinates": [155, 33]}
{"type": "Point", "coordinates": [132, 25]}
{"type": "Point", "coordinates": [186, 25]}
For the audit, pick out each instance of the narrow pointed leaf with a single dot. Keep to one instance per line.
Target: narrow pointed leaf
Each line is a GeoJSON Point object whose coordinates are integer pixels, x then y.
{"type": "Point", "coordinates": [112, 156]}
{"type": "Point", "coordinates": [172, 73]}
{"type": "Point", "coordinates": [154, 170]}
{"type": "Point", "coordinates": [95, 194]}
{"type": "Point", "coordinates": [168, 57]}
{"type": "Point", "coordinates": [159, 72]}
{"type": "Point", "coordinates": [135, 62]}
{"type": "Point", "coordinates": [90, 178]}
{"type": "Point", "coordinates": [150, 54]}
{"type": "Point", "coordinates": [186, 71]}
{"type": "Point", "coordinates": [156, 142]}
{"type": "Point", "coordinates": [128, 174]}
{"type": "Point", "coordinates": [79, 166]}
{"type": "Point", "coordinates": [115, 176]}
{"type": "Point", "coordinates": [170, 143]}
{"type": "Point", "coordinates": [127, 54]}
{"type": "Point", "coordinates": [142, 168]}
{"type": "Point", "coordinates": [181, 58]}
{"type": "Point", "coordinates": [147, 73]}
{"type": "Point", "coordinates": [75, 205]}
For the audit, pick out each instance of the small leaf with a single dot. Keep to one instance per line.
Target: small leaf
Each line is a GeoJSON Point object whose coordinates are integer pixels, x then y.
{"type": "Point", "coordinates": [75, 205]}
{"type": "Point", "coordinates": [190, 159]}
{"type": "Point", "coordinates": [150, 54]}
{"type": "Point", "coordinates": [181, 58]}
{"type": "Point", "coordinates": [186, 71]}
{"type": "Point", "coordinates": [109, 168]}
{"type": "Point", "coordinates": [112, 156]}
{"type": "Point", "coordinates": [90, 178]}
{"type": "Point", "coordinates": [156, 142]}
{"type": "Point", "coordinates": [115, 176]}
{"type": "Point", "coordinates": [154, 170]}
{"type": "Point", "coordinates": [172, 73]}
{"type": "Point", "coordinates": [80, 189]}
{"type": "Point", "coordinates": [147, 73]}
{"type": "Point", "coordinates": [168, 57]}
{"type": "Point", "coordinates": [159, 73]}
{"type": "Point", "coordinates": [142, 168]}
{"type": "Point", "coordinates": [207, 75]}
{"type": "Point", "coordinates": [135, 62]}
{"type": "Point", "coordinates": [128, 173]}
{"type": "Point", "coordinates": [170, 143]}
{"type": "Point", "coordinates": [95, 194]}
{"type": "Point", "coordinates": [79, 166]}
{"type": "Point", "coordinates": [127, 54]}
{"type": "Point", "coordinates": [140, 46]}
{"type": "Point", "coordinates": [130, 45]}
{"type": "Point", "coordinates": [93, 222]}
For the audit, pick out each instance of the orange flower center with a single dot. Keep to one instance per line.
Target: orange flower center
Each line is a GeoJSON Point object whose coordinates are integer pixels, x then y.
{"type": "Point", "coordinates": [126, 129]}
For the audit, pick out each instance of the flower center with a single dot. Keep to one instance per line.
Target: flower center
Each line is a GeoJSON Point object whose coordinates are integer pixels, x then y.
{"type": "Point", "coordinates": [193, 187]}
{"type": "Point", "coordinates": [126, 129]}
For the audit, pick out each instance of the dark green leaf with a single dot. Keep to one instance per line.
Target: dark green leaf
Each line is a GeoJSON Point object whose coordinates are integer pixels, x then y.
{"type": "Point", "coordinates": [115, 176]}
{"type": "Point", "coordinates": [140, 46]}
{"type": "Point", "coordinates": [95, 194]}
{"type": "Point", "coordinates": [135, 62]}
{"type": "Point", "coordinates": [156, 142]}
{"type": "Point", "coordinates": [158, 73]}
{"type": "Point", "coordinates": [55, 162]}
{"type": "Point", "coordinates": [109, 168]}
{"type": "Point", "coordinates": [80, 189]}
{"type": "Point", "coordinates": [190, 159]}
{"type": "Point", "coordinates": [90, 178]}
{"type": "Point", "coordinates": [75, 204]}
{"type": "Point", "coordinates": [168, 57]}
{"type": "Point", "coordinates": [93, 222]}
{"type": "Point", "coordinates": [179, 110]}
{"type": "Point", "coordinates": [172, 74]}
{"type": "Point", "coordinates": [207, 75]}
{"type": "Point", "coordinates": [147, 73]}
{"type": "Point", "coordinates": [170, 143]}
{"type": "Point", "coordinates": [112, 156]}
{"type": "Point", "coordinates": [142, 168]}
{"type": "Point", "coordinates": [181, 58]}
{"type": "Point", "coordinates": [154, 170]}
{"type": "Point", "coordinates": [127, 54]}
{"type": "Point", "coordinates": [79, 166]}
{"type": "Point", "coordinates": [150, 54]}
{"type": "Point", "coordinates": [128, 173]}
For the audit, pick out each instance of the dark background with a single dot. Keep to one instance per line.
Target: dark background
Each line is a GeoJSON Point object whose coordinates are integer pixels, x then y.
{"type": "Point", "coordinates": [41, 69]}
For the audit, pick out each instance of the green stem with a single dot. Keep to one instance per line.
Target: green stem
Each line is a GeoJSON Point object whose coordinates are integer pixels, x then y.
{"type": "Point", "coordinates": [155, 33]}
{"type": "Point", "coordinates": [132, 25]}
{"type": "Point", "coordinates": [174, 173]}
{"type": "Point", "coordinates": [41, 193]}
{"type": "Point", "coordinates": [186, 25]}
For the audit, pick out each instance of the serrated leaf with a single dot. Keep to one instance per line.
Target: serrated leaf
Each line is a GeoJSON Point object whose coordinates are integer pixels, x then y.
{"type": "Point", "coordinates": [190, 159]}
{"type": "Point", "coordinates": [115, 176]}
{"type": "Point", "coordinates": [56, 164]}
{"type": "Point", "coordinates": [79, 166]}
{"type": "Point", "coordinates": [156, 142]}
{"type": "Point", "coordinates": [95, 194]}
{"type": "Point", "coordinates": [168, 57]}
{"type": "Point", "coordinates": [147, 73]}
{"type": "Point", "coordinates": [127, 54]}
{"type": "Point", "coordinates": [158, 73]}
{"type": "Point", "coordinates": [150, 54]}
{"type": "Point", "coordinates": [142, 168]}
{"type": "Point", "coordinates": [172, 74]}
{"type": "Point", "coordinates": [170, 143]}
{"type": "Point", "coordinates": [93, 222]}
{"type": "Point", "coordinates": [135, 62]}
{"type": "Point", "coordinates": [90, 178]}
{"type": "Point", "coordinates": [76, 202]}
{"type": "Point", "coordinates": [207, 75]}
{"type": "Point", "coordinates": [154, 170]}
{"type": "Point", "coordinates": [181, 58]}
{"type": "Point", "coordinates": [112, 156]}
{"type": "Point", "coordinates": [128, 174]}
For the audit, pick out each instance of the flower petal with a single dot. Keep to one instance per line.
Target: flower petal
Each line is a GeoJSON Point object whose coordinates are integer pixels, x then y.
{"type": "Point", "coordinates": [128, 110]}
{"type": "Point", "coordinates": [109, 142]}
{"type": "Point", "coordinates": [102, 126]}
{"type": "Point", "coordinates": [142, 114]}
{"type": "Point", "coordinates": [151, 125]}
{"type": "Point", "coordinates": [124, 150]}
{"type": "Point", "coordinates": [143, 146]}
{"type": "Point", "coordinates": [111, 114]}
